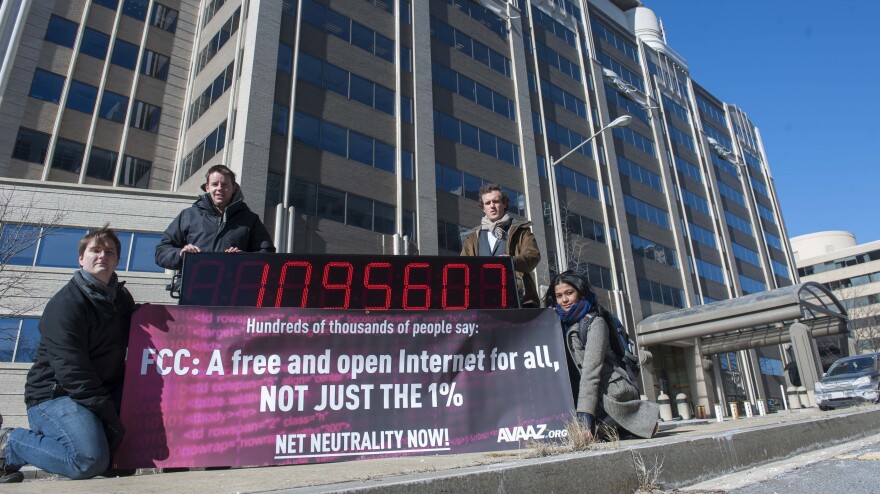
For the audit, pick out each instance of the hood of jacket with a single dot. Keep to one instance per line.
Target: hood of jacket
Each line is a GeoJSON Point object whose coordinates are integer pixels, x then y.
{"type": "Point", "coordinates": [236, 204]}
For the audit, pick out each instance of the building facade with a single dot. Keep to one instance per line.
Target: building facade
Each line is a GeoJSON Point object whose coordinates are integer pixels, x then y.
{"type": "Point", "coordinates": [368, 126]}
{"type": "Point", "coordinates": [852, 272]}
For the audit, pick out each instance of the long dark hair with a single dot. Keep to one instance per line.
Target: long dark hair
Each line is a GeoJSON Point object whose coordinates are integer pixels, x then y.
{"type": "Point", "coordinates": [576, 280]}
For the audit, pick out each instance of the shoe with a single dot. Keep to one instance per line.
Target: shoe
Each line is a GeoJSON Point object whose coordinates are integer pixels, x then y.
{"type": "Point", "coordinates": [12, 478]}
{"type": "Point", "coordinates": [8, 474]}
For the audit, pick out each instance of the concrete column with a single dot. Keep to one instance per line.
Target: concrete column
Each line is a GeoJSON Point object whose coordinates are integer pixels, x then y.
{"type": "Point", "coordinates": [647, 374]}
{"type": "Point", "coordinates": [699, 379]}
{"type": "Point", "coordinates": [806, 355]}
{"type": "Point", "coordinates": [760, 392]}
{"type": "Point", "coordinates": [423, 109]}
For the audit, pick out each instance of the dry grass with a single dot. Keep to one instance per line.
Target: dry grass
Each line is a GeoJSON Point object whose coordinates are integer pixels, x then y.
{"type": "Point", "coordinates": [578, 438]}
{"type": "Point", "coordinates": [647, 476]}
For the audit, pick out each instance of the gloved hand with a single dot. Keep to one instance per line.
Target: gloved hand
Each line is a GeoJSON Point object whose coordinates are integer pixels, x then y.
{"type": "Point", "coordinates": [115, 432]}
{"type": "Point", "coordinates": [587, 420]}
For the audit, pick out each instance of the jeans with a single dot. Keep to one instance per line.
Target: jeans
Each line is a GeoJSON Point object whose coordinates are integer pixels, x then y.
{"type": "Point", "coordinates": [65, 438]}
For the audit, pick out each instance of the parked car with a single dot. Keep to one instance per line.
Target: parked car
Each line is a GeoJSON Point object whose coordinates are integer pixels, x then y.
{"type": "Point", "coordinates": [850, 381]}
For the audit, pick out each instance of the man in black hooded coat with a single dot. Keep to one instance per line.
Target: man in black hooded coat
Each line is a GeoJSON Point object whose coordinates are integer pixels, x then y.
{"type": "Point", "coordinates": [219, 221]}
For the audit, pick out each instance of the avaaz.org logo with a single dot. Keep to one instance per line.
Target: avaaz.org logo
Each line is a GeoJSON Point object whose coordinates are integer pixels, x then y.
{"type": "Point", "coordinates": [520, 433]}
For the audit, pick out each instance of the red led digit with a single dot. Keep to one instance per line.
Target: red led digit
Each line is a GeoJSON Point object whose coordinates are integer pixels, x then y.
{"type": "Point", "coordinates": [200, 282]}
{"type": "Point", "coordinates": [465, 284]}
{"type": "Point", "coordinates": [370, 286]}
{"type": "Point", "coordinates": [337, 286]}
{"type": "Point", "coordinates": [283, 283]}
{"type": "Point", "coordinates": [485, 284]}
{"type": "Point", "coordinates": [242, 283]}
{"type": "Point", "coordinates": [409, 287]}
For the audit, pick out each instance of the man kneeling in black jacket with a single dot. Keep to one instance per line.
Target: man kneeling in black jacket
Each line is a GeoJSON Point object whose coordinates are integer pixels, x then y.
{"type": "Point", "coordinates": [73, 389]}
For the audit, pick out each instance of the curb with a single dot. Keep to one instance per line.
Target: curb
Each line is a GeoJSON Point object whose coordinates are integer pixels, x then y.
{"type": "Point", "coordinates": [680, 461]}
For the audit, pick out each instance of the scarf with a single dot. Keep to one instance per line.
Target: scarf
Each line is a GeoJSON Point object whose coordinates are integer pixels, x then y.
{"type": "Point", "coordinates": [498, 228]}
{"type": "Point", "coordinates": [576, 312]}
{"type": "Point", "coordinates": [103, 296]}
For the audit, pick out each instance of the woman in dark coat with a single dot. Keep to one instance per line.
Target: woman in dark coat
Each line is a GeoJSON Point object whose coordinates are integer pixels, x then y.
{"type": "Point", "coordinates": [603, 392]}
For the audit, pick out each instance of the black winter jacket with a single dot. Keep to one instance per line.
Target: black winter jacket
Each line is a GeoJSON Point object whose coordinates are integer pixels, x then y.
{"type": "Point", "coordinates": [82, 348]}
{"type": "Point", "coordinates": [203, 226]}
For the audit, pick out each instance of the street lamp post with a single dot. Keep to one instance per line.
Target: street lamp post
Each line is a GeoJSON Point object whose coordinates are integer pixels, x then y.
{"type": "Point", "coordinates": [561, 261]}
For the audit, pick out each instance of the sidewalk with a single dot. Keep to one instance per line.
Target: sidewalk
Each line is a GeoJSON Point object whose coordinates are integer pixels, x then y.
{"type": "Point", "coordinates": [686, 452]}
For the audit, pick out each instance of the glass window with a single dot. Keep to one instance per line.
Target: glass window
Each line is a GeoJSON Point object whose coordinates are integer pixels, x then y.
{"type": "Point", "coordinates": [135, 172]}
{"type": "Point", "coordinates": [135, 8]}
{"type": "Point", "coordinates": [304, 197]}
{"type": "Point", "coordinates": [384, 219]}
{"type": "Point", "coordinates": [82, 97]}
{"type": "Point", "coordinates": [102, 164]}
{"type": "Point", "coordinates": [59, 248]}
{"type": "Point", "coordinates": [19, 243]}
{"type": "Point", "coordinates": [467, 87]}
{"type": "Point", "coordinates": [164, 18]}
{"type": "Point", "coordinates": [285, 61]}
{"type": "Point", "coordinates": [279, 119]}
{"type": "Point", "coordinates": [331, 204]}
{"type": "Point", "coordinates": [361, 90]}
{"type": "Point", "coordinates": [449, 128]}
{"type": "Point", "coordinates": [359, 212]}
{"type": "Point", "coordinates": [47, 86]}
{"type": "Point", "coordinates": [154, 65]}
{"type": "Point", "coordinates": [384, 48]}
{"type": "Point", "coordinates": [313, 13]}
{"type": "Point", "coordinates": [488, 143]}
{"type": "Point", "coordinates": [28, 340]}
{"type": "Point", "coordinates": [472, 186]}
{"type": "Point", "coordinates": [360, 148]}
{"type": "Point", "coordinates": [335, 79]}
{"type": "Point", "coordinates": [310, 69]}
{"type": "Point", "coordinates": [124, 246]}
{"type": "Point", "coordinates": [470, 135]}
{"type": "Point", "coordinates": [448, 180]}
{"type": "Point", "coordinates": [406, 163]}
{"type": "Point", "coordinates": [68, 155]}
{"type": "Point", "coordinates": [385, 101]}
{"type": "Point", "coordinates": [145, 116]}
{"type": "Point", "coordinates": [110, 4]}
{"type": "Point", "coordinates": [94, 43]}
{"type": "Point", "coordinates": [384, 157]}
{"type": "Point", "coordinates": [8, 337]}
{"type": "Point", "coordinates": [31, 146]}
{"type": "Point", "coordinates": [338, 25]}
{"type": "Point", "coordinates": [307, 129]}
{"type": "Point", "coordinates": [362, 37]}
{"type": "Point", "coordinates": [505, 151]}
{"type": "Point", "coordinates": [334, 138]}
{"type": "Point", "coordinates": [484, 96]}
{"type": "Point", "coordinates": [124, 54]}
{"type": "Point", "coordinates": [61, 31]}
{"type": "Point", "coordinates": [481, 53]}
{"type": "Point", "coordinates": [113, 107]}
{"type": "Point", "coordinates": [464, 43]}
{"type": "Point", "coordinates": [143, 253]}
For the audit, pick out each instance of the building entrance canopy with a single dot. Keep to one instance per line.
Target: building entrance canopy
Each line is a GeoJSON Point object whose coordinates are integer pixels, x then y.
{"type": "Point", "coordinates": [751, 321]}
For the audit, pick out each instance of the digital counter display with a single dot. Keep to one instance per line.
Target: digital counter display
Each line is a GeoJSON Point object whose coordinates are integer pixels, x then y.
{"type": "Point", "coordinates": [348, 281]}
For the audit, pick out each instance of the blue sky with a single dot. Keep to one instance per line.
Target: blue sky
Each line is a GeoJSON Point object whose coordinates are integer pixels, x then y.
{"type": "Point", "coordinates": [807, 74]}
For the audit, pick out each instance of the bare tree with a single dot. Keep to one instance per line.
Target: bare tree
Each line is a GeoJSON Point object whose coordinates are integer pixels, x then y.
{"type": "Point", "coordinates": [22, 225]}
{"type": "Point", "coordinates": [863, 309]}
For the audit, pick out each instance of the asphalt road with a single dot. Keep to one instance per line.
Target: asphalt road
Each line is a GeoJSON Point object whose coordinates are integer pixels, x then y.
{"type": "Point", "coordinates": [856, 472]}
{"type": "Point", "coordinates": [848, 468]}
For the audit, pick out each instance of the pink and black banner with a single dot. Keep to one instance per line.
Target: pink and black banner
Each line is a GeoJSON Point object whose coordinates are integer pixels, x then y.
{"type": "Point", "coordinates": [209, 386]}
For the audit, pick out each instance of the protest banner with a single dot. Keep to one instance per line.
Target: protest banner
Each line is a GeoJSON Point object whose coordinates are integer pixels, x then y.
{"type": "Point", "coordinates": [235, 386]}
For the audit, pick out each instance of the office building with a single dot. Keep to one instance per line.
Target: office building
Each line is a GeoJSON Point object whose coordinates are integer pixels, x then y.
{"type": "Point", "coordinates": [852, 271]}
{"type": "Point", "coordinates": [367, 126]}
